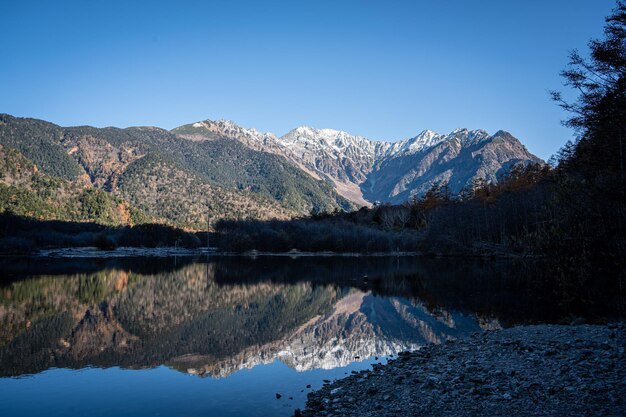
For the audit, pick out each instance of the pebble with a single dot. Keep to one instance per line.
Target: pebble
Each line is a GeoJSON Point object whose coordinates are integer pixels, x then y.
{"type": "Point", "coordinates": [526, 370]}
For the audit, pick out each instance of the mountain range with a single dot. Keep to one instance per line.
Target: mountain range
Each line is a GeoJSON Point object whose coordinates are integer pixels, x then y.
{"type": "Point", "coordinates": [364, 171]}
{"type": "Point", "coordinates": [236, 172]}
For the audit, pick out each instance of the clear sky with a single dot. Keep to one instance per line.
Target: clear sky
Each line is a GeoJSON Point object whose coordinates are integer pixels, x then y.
{"type": "Point", "coordinates": [382, 69]}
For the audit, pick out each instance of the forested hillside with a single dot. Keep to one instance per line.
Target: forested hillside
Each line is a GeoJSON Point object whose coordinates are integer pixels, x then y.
{"type": "Point", "coordinates": [166, 176]}
{"type": "Point", "coordinates": [26, 191]}
{"type": "Point", "coordinates": [39, 141]}
{"type": "Point", "coordinates": [155, 186]}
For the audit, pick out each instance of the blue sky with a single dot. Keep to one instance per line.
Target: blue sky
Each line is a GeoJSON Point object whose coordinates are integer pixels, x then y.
{"type": "Point", "coordinates": [382, 69]}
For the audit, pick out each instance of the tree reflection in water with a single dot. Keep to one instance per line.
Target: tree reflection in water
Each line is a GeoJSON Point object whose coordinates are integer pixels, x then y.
{"type": "Point", "coordinates": [214, 318]}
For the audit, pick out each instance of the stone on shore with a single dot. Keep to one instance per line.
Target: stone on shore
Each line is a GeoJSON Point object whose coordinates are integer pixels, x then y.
{"type": "Point", "coordinates": [528, 370]}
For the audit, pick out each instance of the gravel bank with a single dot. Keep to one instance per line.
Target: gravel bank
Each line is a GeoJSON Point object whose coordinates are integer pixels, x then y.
{"type": "Point", "coordinates": [545, 370]}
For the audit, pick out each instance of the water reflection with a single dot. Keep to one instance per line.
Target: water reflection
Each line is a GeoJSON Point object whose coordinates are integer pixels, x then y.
{"type": "Point", "coordinates": [214, 318]}
{"type": "Point", "coordinates": [305, 320]}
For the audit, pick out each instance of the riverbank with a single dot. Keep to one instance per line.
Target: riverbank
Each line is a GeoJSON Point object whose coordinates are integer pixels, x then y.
{"type": "Point", "coordinates": [165, 251]}
{"type": "Point", "coordinates": [528, 370]}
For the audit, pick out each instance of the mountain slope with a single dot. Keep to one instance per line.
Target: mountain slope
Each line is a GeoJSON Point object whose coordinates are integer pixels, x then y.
{"type": "Point", "coordinates": [156, 186]}
{"type": "Point", "coordinates": [456, 159]}
{"type": "Point", "coordinates": [237, 181]}
{"type": "Point", "coordinates": [209, 130]}
{"type": "Point", "coordinates": [39, 141]}
{"type": "Point", "coordinates": [221, 162]}
{"type": "Point", "coordinates": [365, 171]}
{"type": "Point", "coordinates": [26, 191]}
{"type": "Point", "coordinates": [243, 173]}
{"type": "Point", "coordinates": [344, 159]}
{"type": "Point", "coordinates": [340, 159]}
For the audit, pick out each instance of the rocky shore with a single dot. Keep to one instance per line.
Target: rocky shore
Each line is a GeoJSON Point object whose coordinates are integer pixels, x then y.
{"type": "Point", "coordinates": [546, 370]}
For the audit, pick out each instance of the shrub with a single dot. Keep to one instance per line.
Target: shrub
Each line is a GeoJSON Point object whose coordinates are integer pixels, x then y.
{"type": "Point", "coordinates": [104, 242]}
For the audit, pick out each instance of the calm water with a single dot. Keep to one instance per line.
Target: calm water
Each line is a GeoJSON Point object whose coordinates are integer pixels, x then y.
{"type": "Point", "coordinates": [184, 337]}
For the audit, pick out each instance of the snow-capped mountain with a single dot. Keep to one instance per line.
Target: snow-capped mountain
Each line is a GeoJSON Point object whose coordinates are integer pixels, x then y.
{"type": "Point", "coordinates": [364, 170]}
{"type": "Point", "coordinates": [259, 141]}
{"type": "Point", "coordinates": [455, 159]}
{"type": "Point", "coordinates": [209, 129]}
{"type": "Point", "coordinates": [343, 159]}
{"type": "Point", "coordinates": [428, 138]}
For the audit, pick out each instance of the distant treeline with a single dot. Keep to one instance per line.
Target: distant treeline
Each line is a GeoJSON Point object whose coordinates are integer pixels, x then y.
{"type": "Point", "coordinates": [335, 234]}
{"type": "Point", "coordinates": [485, 219]}
{"type": "Point", "coordinates": [21, 234]}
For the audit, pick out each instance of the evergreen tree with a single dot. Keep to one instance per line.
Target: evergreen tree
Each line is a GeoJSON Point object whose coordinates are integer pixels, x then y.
{"type": "Point", "coordinates": [599, 113]}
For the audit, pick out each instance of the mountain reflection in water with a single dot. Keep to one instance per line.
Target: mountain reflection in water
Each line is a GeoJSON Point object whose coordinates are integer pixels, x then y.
{"type": "Point", "coordinates": [307, 319]}
{"type": "Point", "coordinates": [214, 318]}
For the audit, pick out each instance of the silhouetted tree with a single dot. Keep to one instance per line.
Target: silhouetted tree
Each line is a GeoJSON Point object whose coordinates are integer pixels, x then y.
{"type": "Point", "coordinates": [599, 112]}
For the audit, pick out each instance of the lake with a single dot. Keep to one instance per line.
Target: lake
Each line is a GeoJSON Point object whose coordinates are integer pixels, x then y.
{"type": "Point", "coordinates": [221, 336]}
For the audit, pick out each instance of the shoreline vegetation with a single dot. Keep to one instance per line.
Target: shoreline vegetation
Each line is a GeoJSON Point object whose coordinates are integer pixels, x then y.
{"type": "Point", "coordinates": [535, 211]}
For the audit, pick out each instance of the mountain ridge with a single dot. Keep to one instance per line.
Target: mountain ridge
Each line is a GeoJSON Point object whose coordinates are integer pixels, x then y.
{"type": "Point", "coordinates": [352, 163]}
{"type": "Point", "coordinates": [233, 172]}
{"type": "Point", "coordinates": [149, 167]}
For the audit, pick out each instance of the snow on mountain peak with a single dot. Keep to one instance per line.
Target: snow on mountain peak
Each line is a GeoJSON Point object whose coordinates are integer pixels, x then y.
{"type": "Point", "coordinates": [423, 140]}
{"type": "Point", "coordinates": [304, 133]}
{"type": "Point", "coordinates": [458, 130]}
{"type": "Point", "coordinates": [304, 130]}
{"type": "Point", "coordinates": [332, 136]}
{"type": "Point", "coordinates": [337, 143]}
{"type": "Point", "coordinates": [353, 163]}
{"type": "Point", "coordinates": [466, 136]}
{"type": "Point", "coordinates": [230, 129]}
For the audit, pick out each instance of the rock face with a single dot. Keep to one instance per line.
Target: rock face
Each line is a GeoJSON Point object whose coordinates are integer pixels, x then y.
{"type": "Point", "coordinates": [532, 370]}
{"type": "Point", "coordinates": [219, 129]}
{"type": "Point", "coordinates": [456, 159]}
{"type": "Point", "coordinates": [339, 158]}
{"type": "Point", "coordinates": [365, 171]}
{"type": "Point", "coordinates": [343, 159]}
